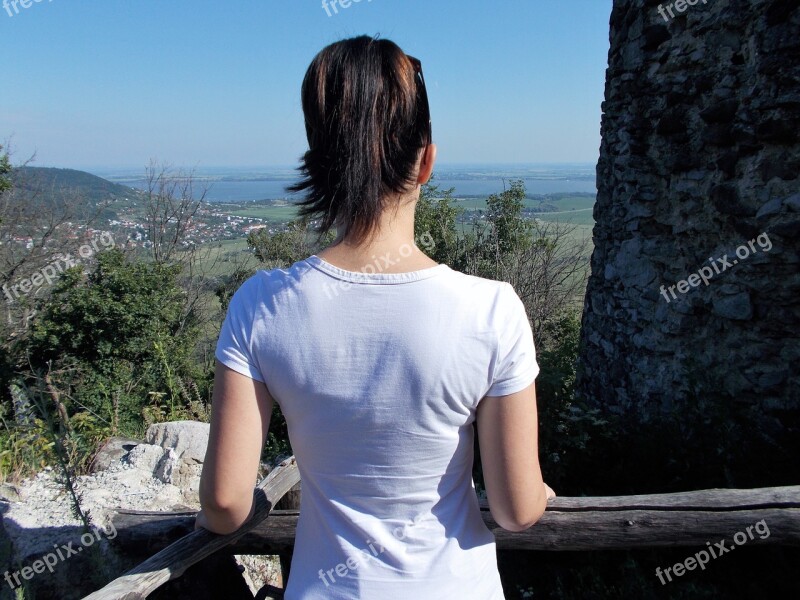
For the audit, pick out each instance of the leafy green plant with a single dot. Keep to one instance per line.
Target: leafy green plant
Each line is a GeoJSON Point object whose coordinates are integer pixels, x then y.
{"type": "Point", "coordinates": [296, 241]}
{"type": "Point", "coordinates": [115, 328]}
{"type": "Point", "coordinates": [24, 449]}
{"type": "Point", "coordinates": [437, 217]}
{"type": "Point", "coordinates": [5, 170]}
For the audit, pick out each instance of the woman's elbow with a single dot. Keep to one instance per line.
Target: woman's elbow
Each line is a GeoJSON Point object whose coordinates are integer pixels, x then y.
{"type": "Point", "coordinates": [224, 524]}
{"type": "Point", "coordinates": [225, 514]}
{"type": "Point", "coordinates": [524, 517]}
{"type": "Point", "coordinates": [516, 523]}
{"type": "Point", "coordinates": [219, 503]}
{"type": "Point", "coordinates": [224, 520]}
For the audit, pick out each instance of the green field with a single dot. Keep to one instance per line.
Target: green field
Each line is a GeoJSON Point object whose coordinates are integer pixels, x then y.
{"type": "Point", "coordinates": [582, 217]}
{"type": "Point", "coordinates": [221, 258]}
{"type": "Point", "coordinates": [563, 204]}
{"type": "Point", "coordinates": [572, 210]}
{"type": "Point", "coordinates": [280, 214]}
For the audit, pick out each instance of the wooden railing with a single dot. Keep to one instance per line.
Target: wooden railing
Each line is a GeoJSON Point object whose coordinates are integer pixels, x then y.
{"type": "Point", "coordinates": [592, 523]}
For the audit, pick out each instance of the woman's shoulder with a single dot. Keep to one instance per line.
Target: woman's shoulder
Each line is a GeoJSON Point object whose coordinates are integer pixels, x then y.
{"type": "Point", "coordinates": [482, 285]}
{"type": "Point", "coordinates": [265, 279]}
{"type": "Point", "coordinates": [268, 283]}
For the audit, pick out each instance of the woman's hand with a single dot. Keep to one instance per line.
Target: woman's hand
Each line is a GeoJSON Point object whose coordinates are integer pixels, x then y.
{"type": "Point", "coordinates": [200, 520]}
{"type": "Point", "coordinates": [550, 493]}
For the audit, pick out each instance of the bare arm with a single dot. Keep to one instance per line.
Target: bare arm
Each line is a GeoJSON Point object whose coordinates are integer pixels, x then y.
{"type": "Point", "coordinates": [240, 415]}
{"type": "Point", "coordinates": [509, 446]}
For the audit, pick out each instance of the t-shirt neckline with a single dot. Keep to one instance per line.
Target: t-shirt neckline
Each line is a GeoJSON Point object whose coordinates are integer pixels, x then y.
{"type": "Point", "coordinates": [377, 276]}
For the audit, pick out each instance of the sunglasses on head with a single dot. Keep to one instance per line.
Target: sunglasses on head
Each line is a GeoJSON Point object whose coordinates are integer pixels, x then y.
{"type": "Point", "coordinates": [423, 94]}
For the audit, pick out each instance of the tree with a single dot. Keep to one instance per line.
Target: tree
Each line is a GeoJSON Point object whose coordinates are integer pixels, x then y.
{"type": "Point", "coordinates": [171, 203]}
{"type": "Point", "coordinates": [170, 206]}
{"type": "Point", "coordinates": [510, 229]}
{"type": "Point", "coordinates": [5, 171]}
{"type": "Point", "coordinates": [117, 336]}
{"type": "Point", "coordinates": [549, 273]}
{"type": "Point", "coordinates": [497, 234]}
{"type": "Point", "coordinates": [438, 218]}
{"type": "Point", "coordinates": [35, 236]}
{"type": "Point", "coordinates": [546, 262]}
{"type": "Point", "coordinates": [30, 226]}
{"type": "Point", "coordinates": [287, 246]}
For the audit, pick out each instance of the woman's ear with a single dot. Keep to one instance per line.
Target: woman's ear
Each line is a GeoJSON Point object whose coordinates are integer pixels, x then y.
{"type": "Point", "coordinates": [427, 160]}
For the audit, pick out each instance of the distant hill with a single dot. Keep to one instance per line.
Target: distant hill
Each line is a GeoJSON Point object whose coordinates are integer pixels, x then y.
{"type": "Point", "coordinates": [61, 186]}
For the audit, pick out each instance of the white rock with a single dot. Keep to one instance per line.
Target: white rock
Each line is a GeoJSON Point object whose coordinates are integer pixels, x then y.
{"type": "Point", "coordinates": [168, 467]}
{"type": "Point", "coordinates": [146, 457]}
{"type": "Point", "coordinates": [189, 439]}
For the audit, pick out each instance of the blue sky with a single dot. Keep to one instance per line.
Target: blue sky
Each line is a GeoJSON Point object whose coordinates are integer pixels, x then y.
{"type": "Point", "coordinates": [196, 83]}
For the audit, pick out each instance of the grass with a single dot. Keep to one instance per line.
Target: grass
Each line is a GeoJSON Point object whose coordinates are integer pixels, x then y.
{"type": "Point", "coordinates": [279, 213]}
{"type": "Point", "coordinates": [216, 257]}
{"type": "Point", "coordinates": [566, 203]}
{"type": "Point", "coordinates": [582, 218]}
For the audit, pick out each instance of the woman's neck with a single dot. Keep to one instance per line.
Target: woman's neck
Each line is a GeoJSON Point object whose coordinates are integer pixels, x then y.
{"type": "Point", "coordinates": [391, 250]}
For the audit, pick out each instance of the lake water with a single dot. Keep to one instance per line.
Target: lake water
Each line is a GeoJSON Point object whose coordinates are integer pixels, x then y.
{"type": "Point", "coordinates": [241, 186]}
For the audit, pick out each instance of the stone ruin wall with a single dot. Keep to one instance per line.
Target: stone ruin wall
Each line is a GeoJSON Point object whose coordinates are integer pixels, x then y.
{"type": "Point", "coordinates": [700, 155]}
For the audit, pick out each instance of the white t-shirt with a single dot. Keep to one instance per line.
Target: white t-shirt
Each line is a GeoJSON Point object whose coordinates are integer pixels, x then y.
{"type": "Point", "coordinates": [378, 376]}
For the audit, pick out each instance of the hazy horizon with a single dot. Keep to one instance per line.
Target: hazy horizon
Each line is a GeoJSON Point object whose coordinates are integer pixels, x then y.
{"type": "Point", "coordinates": [478, 179]}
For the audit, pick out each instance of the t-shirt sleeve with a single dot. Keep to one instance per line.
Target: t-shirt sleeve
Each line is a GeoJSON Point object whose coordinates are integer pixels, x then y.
{"type": "Point", "coordinates": [234, 346]}
{"type": "Point", "coordinates": [516, 367]}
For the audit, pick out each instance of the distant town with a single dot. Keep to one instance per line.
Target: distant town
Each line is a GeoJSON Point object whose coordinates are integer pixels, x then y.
{"type": "Point", "coordinates": [121, 210]}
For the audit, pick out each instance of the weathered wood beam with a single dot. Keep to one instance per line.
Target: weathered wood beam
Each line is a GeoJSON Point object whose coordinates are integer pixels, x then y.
{"type": "Point", "coordinates": [592, 523]}
{"type": "Point", "coordinates": [616, 530]}
{"type": "Point", "coordinates": [718, 499]}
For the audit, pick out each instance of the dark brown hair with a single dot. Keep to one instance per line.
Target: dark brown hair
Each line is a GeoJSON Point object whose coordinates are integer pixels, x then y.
{"type": "Point", "coordinates": [365, 123]}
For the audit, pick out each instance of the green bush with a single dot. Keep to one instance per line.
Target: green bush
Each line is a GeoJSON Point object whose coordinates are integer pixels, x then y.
{"type": "Point", "coordinates": [566, 427]}
{"type": "Point", "coordinates": [435, 220]}
{"type": "Point", "coordinates": [114, 338]}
